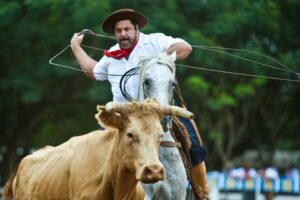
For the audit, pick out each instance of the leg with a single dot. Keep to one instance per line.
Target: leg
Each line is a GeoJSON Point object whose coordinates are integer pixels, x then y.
{"type": "Point", "coordinates": [199, 181]}
{"type": "Point", "coordinates": [198, 155]}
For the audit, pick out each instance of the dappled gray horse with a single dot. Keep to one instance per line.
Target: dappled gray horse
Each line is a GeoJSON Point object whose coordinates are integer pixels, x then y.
{"type": "Point", "coordinates": [157, 80]}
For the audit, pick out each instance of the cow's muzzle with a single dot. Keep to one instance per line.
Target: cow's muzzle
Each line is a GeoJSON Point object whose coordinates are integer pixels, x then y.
{"type": "Point", "coordinates": [152, 174]}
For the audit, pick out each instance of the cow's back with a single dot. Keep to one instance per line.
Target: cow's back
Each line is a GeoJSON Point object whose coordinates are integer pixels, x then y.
{"type": "Point", "coordinates": [56, 171]}
{"type": "Point", "coordinates": [42, 173]}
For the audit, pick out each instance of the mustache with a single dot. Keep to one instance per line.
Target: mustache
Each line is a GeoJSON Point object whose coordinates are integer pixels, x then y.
{"type": "Point", "coordinates": [124, 39]}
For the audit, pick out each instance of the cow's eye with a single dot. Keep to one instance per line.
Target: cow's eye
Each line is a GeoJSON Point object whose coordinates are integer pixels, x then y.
{"type": "Point", "coordinates": [130, 135]}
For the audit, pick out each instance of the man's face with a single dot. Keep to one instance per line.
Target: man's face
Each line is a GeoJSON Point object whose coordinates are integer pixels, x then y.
{"type": "Point", "coordinates": [125, 33]}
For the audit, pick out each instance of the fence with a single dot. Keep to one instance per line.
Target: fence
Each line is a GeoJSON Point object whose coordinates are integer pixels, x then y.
{"type": "Point", "coordinates": [280, 185]}
{"type": "Point", "coordinates": [223, 187]}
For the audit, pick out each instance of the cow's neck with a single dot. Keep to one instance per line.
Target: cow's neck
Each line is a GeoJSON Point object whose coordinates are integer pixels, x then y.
{"type": "Point", "coordinates": [126, 186]}
{"type": "Point", "coordinates": [122, 180]}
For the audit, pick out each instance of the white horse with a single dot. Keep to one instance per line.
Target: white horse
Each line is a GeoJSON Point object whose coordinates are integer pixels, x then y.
{"type": "Point", "coordinates": [157, 80]}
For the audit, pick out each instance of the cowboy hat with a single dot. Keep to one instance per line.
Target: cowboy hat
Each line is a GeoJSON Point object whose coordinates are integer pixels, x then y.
{"type": "Point", "coordinates": [109, 23]}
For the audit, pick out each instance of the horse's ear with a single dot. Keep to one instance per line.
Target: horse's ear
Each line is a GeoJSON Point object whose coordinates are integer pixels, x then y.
{"type": "Point", "coordinates": [173, 56]}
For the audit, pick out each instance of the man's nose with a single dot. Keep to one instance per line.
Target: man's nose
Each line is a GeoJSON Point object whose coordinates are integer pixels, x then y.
{"type": "Point", "coordinates": [123, 32]}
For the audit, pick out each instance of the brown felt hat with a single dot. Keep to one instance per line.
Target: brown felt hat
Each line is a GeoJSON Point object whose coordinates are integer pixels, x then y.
{"type": "Point", "coordinates": [122, 14]}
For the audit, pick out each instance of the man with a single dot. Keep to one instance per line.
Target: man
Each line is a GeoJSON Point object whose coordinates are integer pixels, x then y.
{"type": "Point", "coordinates": [125, 24]}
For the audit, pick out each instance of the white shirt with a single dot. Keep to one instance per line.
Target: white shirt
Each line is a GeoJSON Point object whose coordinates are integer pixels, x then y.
{"type": "Point", "coordinates": [148, 45]}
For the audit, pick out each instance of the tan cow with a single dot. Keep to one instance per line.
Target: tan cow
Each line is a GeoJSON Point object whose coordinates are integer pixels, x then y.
{"type": "Point", "coordinates": [99, 165]}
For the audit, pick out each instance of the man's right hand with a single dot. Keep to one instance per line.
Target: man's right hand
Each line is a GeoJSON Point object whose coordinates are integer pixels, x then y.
{"type": "Point", "coordinates": [76, 40]}
{"type": "Point", "coordinates": [86, 63]}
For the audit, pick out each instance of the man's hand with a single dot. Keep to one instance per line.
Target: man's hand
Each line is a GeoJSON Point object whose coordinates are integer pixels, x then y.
{"type": "Point", "coordinates": [76, 40]}
{"type": "Point", "coordinates": [86, 63]}
{"type": "Point", "coordinates": [182, 49]}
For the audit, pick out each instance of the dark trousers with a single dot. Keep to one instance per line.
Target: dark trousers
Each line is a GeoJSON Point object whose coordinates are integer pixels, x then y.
{"type": "Point", "coordinates": [198, 153]}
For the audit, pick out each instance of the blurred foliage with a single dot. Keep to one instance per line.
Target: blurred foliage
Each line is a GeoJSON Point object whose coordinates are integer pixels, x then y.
{"type": "Point", "coordinates": [45, 105]}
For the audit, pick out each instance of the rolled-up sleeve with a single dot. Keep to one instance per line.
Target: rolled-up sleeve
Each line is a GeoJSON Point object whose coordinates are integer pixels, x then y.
{"type": "Point", "coordinates": [100, 70]}
{"type": "Point", "coordinates": [162, 42]}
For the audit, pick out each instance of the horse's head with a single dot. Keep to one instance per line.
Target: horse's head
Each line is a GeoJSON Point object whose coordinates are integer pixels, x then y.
{"type": "Point", "coordinates": [157, 80]}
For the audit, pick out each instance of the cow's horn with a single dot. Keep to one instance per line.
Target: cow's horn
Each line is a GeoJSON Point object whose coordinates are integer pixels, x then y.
{"type": "Point", "coordinates": [116, 107]}
{"type": "Point", "coordinates": [177, 111]}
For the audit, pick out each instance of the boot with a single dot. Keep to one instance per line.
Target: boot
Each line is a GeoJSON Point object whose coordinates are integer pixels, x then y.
{"type": "Point", "coordinates": [199, 183]}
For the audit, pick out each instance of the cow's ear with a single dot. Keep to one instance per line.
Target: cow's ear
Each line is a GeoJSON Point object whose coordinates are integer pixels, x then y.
{"type": "Point", "coordinates": [110, 119]}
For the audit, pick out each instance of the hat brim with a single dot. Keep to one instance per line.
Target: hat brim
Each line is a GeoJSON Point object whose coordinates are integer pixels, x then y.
{"type": "Point", "coordinates": [109, 23]}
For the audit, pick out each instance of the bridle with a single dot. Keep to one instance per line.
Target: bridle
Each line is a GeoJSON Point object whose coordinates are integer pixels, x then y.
{"type": "Point", "coordinates": [147, 63]}
{"type": "Point", "coordinates": [144, 64]}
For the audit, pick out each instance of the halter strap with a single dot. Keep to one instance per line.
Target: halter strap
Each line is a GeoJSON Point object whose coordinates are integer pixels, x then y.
{"type": "Point", "coordinates": [169, 144]}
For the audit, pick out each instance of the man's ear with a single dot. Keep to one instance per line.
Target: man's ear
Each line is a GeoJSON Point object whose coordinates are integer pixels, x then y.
{"type": "Point", "coordinates": [137, 29]}
{"type": "Point", "coordinates": [110, 119]}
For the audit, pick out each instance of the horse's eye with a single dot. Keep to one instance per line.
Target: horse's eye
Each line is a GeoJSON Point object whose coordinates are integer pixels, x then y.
{"type": "Point", "coordinates": [147, 82]}
{"type": "Point", "coordinates": [174, 84]}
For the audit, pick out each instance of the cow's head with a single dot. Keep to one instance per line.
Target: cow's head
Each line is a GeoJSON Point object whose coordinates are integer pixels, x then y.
{"type": "Point", "coordinates": [140, 132]}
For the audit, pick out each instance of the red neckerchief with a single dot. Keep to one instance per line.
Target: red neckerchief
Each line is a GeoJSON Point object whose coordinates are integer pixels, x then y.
{"type": "Point", "coordinates": [121, 53]}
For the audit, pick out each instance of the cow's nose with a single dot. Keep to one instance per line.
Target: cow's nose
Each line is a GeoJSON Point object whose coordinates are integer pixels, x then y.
{"type": "Point", "coordinates": [152, 174]}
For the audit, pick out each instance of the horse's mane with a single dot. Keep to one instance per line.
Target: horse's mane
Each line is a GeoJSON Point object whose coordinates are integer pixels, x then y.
{"type": "Point", "coordinates": [161, 58]}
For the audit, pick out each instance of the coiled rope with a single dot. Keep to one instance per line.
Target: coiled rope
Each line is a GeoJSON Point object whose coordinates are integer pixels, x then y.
{"type": "Point", "coordinates": [207, 48]}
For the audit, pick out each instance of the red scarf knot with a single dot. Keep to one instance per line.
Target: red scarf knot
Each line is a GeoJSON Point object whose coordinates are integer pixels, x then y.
{"type": "Point", "coordinates": [121, 53]}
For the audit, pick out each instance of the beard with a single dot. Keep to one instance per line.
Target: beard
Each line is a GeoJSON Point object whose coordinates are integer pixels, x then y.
{"type": "Point", "coordinates": [126, 42]}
